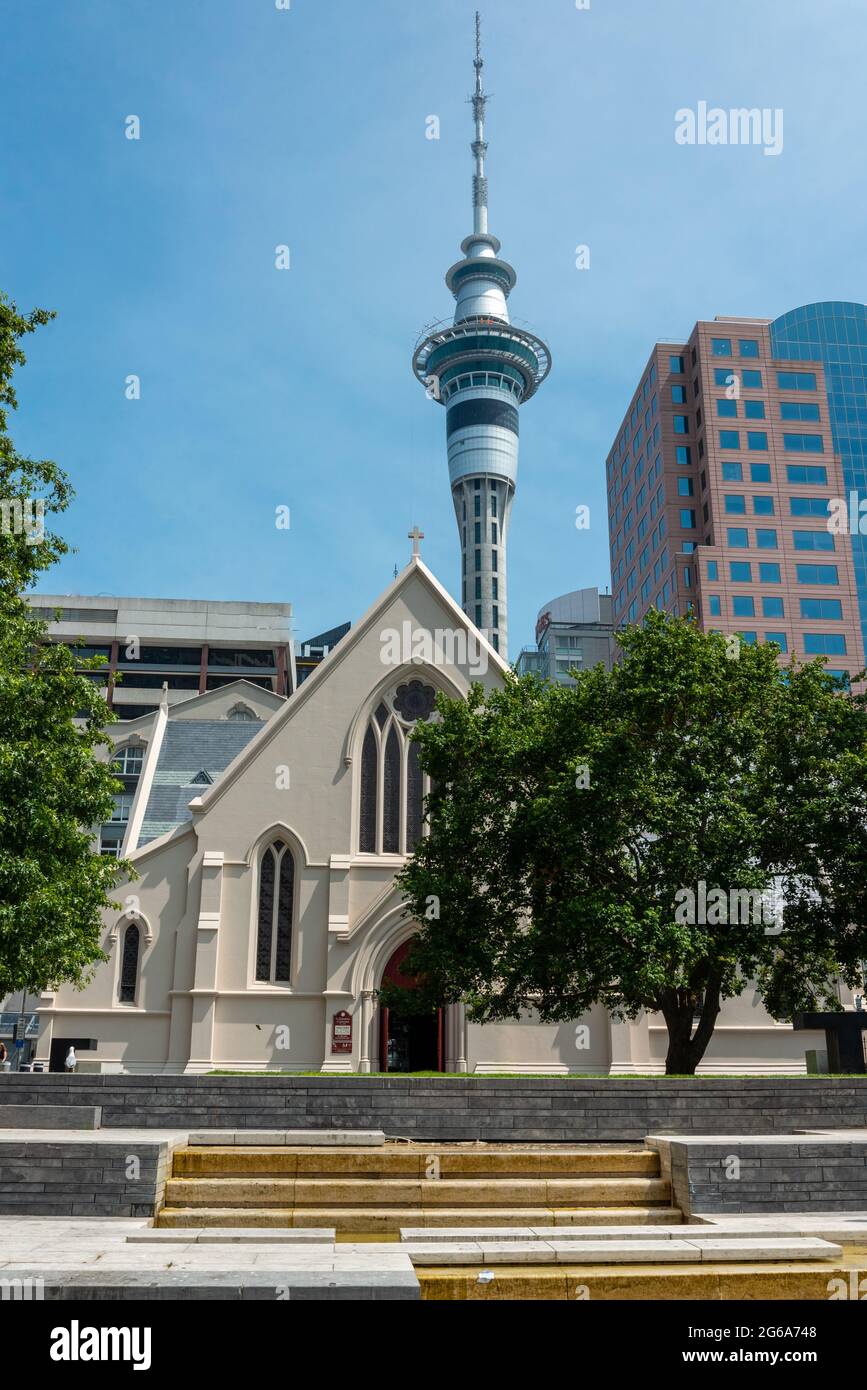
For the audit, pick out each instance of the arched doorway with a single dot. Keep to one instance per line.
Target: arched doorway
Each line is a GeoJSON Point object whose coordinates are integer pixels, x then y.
{"type": "Point", "coordinates": [409, 1042]}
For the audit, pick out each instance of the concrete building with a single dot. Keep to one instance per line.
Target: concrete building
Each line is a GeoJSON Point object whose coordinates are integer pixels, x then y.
{"type": "Point", "coordinates": [482, 368]}
{"type": "Point", "coordinates": [187, 644]}
{"type": "Point", "coordinates": [574, 631]}
{"type": "Point", "coordinates": [719, 484]}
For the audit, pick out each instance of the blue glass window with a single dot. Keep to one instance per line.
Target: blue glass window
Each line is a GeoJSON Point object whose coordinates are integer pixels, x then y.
{"type": "Point", "coordinates": [769, 572]}
{"type": "Point", "coordinates": [684, 487]}
{"type": "Point", "coordinates": [737, 538]}
{"type": "Point", "coordinates": [799, 410]}
{"type": "Point", "coordinates": [824, 644]}
{"type": "Point", "coordinates": [796, 381]}
{"type": "Point", "coordinates": [815, 473]}
{"type": "Point", "coordinates": [726, 408]}
{"type": "Point", "coordinates": [678, 395]}
{"type": "Point", "coordinates": [760, 472]}
{"type": "Point", "coordinates": [724, 376]}
{"type": "Point", "coordinates": [681, 424]}
{"type": "Point", "coordinates": [675, 364]}
{"type": "Point", "coordinates": [740, 571]}
{"type": "Point", "coordinates": [780, 638]}
{"type": "Point", "coordinates": [732, 472]}
{"type": "Point", "coordinates": [687, 520]}
{"type": "Point", "coordinates": [757, 439]}
{"type": "Point", "coordinates": [683, 455]}
{"type": "Point", "coordinates": [804, 443]}
{"type": "Point", "coordinates": [729, 439]}
{"type": "Point", "coordinates": [766, 539]}
{"type": "Point", "coordinates": [817, 574]}
{"type": "Point", "coordinates": [712, 569]}
{"type": "Point", "coordinates": [748, 637]}
{"type": "Point", "coordinates": [763, 506]}
{"type": "Point", "coordinates": [754, 410]}
{"type": "Point", "coordinates": [752, 379]}
{"type": "Point", "coordinates": [743, 606]}
{"type": "Point", "coordinates": [808, 506]}
{"type": "Point", "coordinates": [735, 503]}
{"type": "Point", "coordinates": [828, 609]}
{"type": "Point", "coordinates": [813, 540]}
{"type": "Point", "coordinates": [748, 347]}
{"type": "Point", "coordinates": [715, 606]}
{"type": "Point", "coordinates": [721, 347]}
{"type": "Point", "coordinates": [772, 607]}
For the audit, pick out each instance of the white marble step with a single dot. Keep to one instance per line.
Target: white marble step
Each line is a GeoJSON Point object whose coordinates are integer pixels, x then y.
{"type": "Point", "coordinates": [486, 1234]}
{"type": "Point", "coordinates": [616, 1251]}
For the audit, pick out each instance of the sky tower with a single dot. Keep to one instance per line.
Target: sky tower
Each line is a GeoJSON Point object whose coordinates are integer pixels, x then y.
{"type": "Point", "coordinates": [482, 368]}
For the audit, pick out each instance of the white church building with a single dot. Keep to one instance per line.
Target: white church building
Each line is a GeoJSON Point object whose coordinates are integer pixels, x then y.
{"type": "Point", "coordinates": [266, 833]}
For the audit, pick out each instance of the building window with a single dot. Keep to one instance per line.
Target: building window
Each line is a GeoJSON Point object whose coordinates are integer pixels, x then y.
{"type": "Point", "coordinates": [392, 824]}
{"type": "Point", "coordinates": [811, 473]}
{"type": "Point", "coordinates": [684, 487]}
{"type": "Point", "coordinates": [754, 410]}
{"type": "Point", "coordinates": [678, 395]}
{"type": "Point", "coordinates": [712, 569]}
{"type": "Point", "coordinates": [735, 503]}
{"type": "Point", "coordinates": [780, 638]}
{"type": "Point", "coordinates": [676, 365]}
{"type": "Point", "coordinates": [763, 506]}
{"type": "Point", "coordinates": [687, 520]}
{"type": "Point", "coordinates": [241, 714]}
{"type": "Point", "coordinates": [737, 538]}
{"type": "Point", "coordinates": [683, 455]}
{"type": "Point", "coordinates": [766, 539]}
{"type": "Point", "coordinates": [733, 472]}
{"type": "Point", "coordinates": [799, 410]}
{"type": "Point", "coordinates": [824, 644]}
{"type": "Point", "coordinates": [757, 440]}
{"type": "Point", "coordinates": [740, 572]}
{"type": "Point", "coordinates": [477, 533]}
{"type": "Point", "coordinates": [727, 409]}
{"type": "Point", "coordinates": [681, 424]}
{"type": "Point", "coordinates": [729, 439]}
{"type": "Point", "coordinates": [477, 504]}
{"type": "Point", "coordinates": [129, 964]}
{"type": "Point", "coordinates": [769, 572]}
{"type": "Point", "coordinates": [772, 607]}
{"type": "Point", "coordinates": [813, 540]}
{"type": "Point", "coordinates": [760, 472]}
{"type": "Point", "coordinates": [751, 379]}
{"type": "Point", "coordinates": [748, 347]}
{"type": "Point", "coordinates": [826, 609]}
{"type": "Point", "coordinates": [715, 606]}
{"type": "Point", "coordinates": [276, 909]}
{"type": "Point", "coordinates": [817, 574]}
{"type": "Point", "coordinates": [796, 381]}
{"type": "Point", "coordinates": [128, 761]}
{"type": "Point", "coordinates": [808, 506]}
{"type": "Point", "coordinates": [743, 606]}
{"type": "Point", "coordinates": [804, 443]}
{"type": "Point", "coordinates": [721, 347]}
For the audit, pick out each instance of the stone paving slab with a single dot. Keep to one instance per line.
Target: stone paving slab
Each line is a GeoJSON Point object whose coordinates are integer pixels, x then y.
{"type": "Point", "coordinates": [267, 1138]}
{"type": "Point", "coordinates": [247, 1235]}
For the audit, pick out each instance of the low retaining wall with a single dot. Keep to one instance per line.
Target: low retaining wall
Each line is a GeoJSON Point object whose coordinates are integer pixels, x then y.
{"type": "Point", "coordinates": [523, 1110]}
{"type": "Point", "coordinates": [87, 1178]}
{"type": "Point", "coordinates": [789, 1174]}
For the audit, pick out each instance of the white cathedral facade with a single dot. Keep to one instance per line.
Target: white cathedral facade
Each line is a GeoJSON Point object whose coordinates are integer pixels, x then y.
{"type": "Point", "coordinates": [266, 834]}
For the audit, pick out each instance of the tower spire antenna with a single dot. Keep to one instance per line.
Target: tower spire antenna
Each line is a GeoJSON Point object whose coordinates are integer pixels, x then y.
{"type": "Point", "coordinates": [479, 146]}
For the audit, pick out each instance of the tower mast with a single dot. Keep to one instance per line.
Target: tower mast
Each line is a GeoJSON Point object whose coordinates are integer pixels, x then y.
{"type": "Point", "coordinates": [482, 368]}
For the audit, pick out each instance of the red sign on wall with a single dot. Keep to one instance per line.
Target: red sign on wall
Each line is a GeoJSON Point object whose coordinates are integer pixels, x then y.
{"type": "Point", "coordinates": [341, 1032]}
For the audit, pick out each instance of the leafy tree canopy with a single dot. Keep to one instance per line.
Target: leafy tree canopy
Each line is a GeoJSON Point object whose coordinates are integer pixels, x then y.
{"type": "Point", "coordinates": [572, 828]}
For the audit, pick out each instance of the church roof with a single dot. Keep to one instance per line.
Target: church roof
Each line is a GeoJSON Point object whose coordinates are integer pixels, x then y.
{"type": "Point", "coordinates": [194, 752]}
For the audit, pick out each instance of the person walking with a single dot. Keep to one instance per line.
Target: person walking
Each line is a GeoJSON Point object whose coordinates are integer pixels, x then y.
{"type": "Point", "coordinates": [71, 1060]}
{"type": "Point", "coordinates": [4, 1056]}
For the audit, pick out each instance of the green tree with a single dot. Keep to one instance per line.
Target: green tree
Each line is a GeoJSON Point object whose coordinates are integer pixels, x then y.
{"type": "Point", "coordinates": [571, 830]}
{"type": "Point", "coordinates": [53, 790]}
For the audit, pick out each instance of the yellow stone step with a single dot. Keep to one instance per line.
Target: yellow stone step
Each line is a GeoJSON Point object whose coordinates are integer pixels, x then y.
{"type": "Point", "coordinates": [806, 1282]}
{"type": "Point", "coordinates": [383, 1220]}
{"type": "Point", "coordinates": [452, 1192]}
{"type": "Point", "coordinates": [414, 1163]}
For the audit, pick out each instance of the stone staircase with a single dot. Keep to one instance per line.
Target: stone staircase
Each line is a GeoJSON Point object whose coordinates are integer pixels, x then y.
{"type": "Point", "coordinates": [376, 1192]}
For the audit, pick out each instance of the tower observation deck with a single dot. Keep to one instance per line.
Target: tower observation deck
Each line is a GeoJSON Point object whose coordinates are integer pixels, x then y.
{"type": "Point", "coordinates": [481, 368]}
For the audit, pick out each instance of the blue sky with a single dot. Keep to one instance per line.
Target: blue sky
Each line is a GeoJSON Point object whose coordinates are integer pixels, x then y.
{"type": "Point", "coordinates": [306, 127]}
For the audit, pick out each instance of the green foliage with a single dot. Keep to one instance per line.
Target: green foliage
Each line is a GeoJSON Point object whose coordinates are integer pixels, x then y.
{"type": "Point", "coordinates": [53, 791]}
{"type": "Point", "coordinates": [557, 888]}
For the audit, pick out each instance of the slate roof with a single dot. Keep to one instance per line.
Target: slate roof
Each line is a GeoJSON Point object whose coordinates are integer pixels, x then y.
{"type": "Point", "coordinates": [190, 747]}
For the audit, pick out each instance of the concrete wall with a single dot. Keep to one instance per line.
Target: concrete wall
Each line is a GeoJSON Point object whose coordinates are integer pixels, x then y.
{"type": "Point", "coordinates": [550, 1109]}
{"type": "Point", "coordinates": [44, 1178]}
{"type": "Point", "coordinates": [773, 1175]}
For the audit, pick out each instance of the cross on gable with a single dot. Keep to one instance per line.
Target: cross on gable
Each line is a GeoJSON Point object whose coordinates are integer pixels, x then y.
{"type": "Point", "coordinates": [415, 535]}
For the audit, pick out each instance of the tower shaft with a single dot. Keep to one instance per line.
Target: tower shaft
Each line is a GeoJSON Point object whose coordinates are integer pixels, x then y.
{"type": "Point", "coordinates": [482, 368]}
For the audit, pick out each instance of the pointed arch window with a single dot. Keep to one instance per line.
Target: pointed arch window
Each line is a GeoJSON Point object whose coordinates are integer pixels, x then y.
{"type": "Point", "coordinates": [391, 783]}
{"type": "Point", "coordinates": [275, 915]}
{"type": "Point", "coordinates": [129, 964]}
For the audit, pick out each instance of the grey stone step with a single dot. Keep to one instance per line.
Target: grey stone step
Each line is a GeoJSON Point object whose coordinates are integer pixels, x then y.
{"type": "Point", "coordinates": [336, 1138]}
{"type": "Point", "coordinates": [246, 1235]}
{"type": "Point", "coordinates": [50, 1116]}
{"type": "Point", "coordinates": [615, 1251]}
{"type": "Point", "coordinates": [486, 1234]}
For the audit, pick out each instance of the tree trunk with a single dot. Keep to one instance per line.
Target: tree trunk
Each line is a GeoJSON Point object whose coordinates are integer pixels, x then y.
{"type": "Point", "coordinates": [685, 1047]}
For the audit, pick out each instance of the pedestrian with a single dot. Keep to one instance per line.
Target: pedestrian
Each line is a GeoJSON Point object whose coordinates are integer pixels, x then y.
{"type": "Point", "coordinates": [71, 1060]}
{"type": "Point", "coordinates": [4, 1056]}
